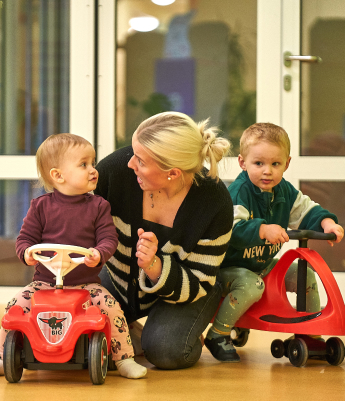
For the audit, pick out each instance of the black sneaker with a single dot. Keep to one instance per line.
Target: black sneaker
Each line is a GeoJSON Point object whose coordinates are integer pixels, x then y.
{"type": "Point", "coordinates": [222, 349]}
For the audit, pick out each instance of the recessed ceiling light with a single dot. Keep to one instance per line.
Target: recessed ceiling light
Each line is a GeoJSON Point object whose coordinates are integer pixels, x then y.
{"type": "Point", "coordinates": [144, 24]}
{"type": "Point", "coordinates": [163, 2]}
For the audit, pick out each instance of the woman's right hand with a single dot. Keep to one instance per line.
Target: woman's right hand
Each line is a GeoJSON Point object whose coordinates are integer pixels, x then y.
{"type": "Point", "coordinates": [147, 247]}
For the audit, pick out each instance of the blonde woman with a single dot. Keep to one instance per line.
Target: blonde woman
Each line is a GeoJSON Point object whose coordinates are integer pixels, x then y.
{"type": "Point", "coordinates": [174, 220]}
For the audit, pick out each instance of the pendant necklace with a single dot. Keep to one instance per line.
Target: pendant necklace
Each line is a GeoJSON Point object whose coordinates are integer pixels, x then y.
{"type": "Point", "coordinates": [151, 196]}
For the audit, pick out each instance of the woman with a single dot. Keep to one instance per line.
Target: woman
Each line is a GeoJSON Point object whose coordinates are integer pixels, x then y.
{"type": "Point", "coordinates": [174, 221]}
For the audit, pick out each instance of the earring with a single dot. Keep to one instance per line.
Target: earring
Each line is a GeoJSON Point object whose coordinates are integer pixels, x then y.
{"type": "Point", "coordinates": [169, 178]}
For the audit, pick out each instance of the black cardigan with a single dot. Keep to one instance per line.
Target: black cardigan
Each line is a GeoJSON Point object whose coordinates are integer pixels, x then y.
{"type": "Point", "coordinates": [191, 258]}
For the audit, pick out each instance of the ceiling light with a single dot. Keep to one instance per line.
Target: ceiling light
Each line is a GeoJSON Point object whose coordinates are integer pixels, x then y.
{"type": "Point", "coordinates": [163, 2]}
{"type": "Point", "coordinates": [144, 24]}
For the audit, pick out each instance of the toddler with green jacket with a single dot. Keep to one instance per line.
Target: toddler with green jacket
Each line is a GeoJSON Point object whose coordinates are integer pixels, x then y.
{"type": "Point", "coordinates": [265, 205]}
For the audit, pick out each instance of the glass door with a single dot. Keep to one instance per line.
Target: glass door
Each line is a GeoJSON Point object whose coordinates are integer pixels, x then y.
{"type": "Point", "coordinates": [192, 56]}
{"type": "Point", "coordinates": [301, 86]}
{"type": "Point", "coordinates": [314, 79]}
{"type": "Point", "coordinates": [46, 87]}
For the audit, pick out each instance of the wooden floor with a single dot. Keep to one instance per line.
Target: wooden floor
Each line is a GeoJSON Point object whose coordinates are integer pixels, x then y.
{"type": "Point", "coordinates": [257, 377]}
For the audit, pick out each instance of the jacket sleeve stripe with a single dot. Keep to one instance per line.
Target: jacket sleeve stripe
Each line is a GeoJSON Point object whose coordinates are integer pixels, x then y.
{"type": "Point", "coordinates": [202, 259]}
{"type": "Point", "coordinates": [120, 266]}
{"type": "Point", "coordinates": [204, 277]}
{"type": "Point", "coordinates": [223, 239]}
{"type": "Point", "coordinates": [240, 213]}
{"type": "Point", "coordinates": [303, 204]}
{"type": "Point", "coordinates": [121, 226]}
{"type": "Point", "coordinates": [125, 250]}
{"type": "Point", "coordinates": [208, 260]}
{"type": "Point", "coordinates": [116, 279]}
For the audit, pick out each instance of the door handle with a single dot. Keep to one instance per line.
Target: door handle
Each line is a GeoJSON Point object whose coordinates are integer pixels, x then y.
{"type": "Point", "coordinates": [288, 58]}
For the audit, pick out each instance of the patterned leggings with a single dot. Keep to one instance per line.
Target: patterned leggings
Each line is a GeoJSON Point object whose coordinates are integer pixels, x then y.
{"type": "Point", "coordinates": [242, 288]}
{"type": "Point", "coordinates": [121, 343]}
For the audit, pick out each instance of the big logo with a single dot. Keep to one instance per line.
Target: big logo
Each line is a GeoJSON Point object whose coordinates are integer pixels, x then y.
{"type": "Point", "coordinates": [54, 325]}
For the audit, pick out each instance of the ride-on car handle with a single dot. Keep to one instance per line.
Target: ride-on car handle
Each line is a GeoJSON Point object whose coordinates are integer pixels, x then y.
{"type": "Point", "coordinates": [310, 234]}
{"type": "Point", "coordinates": [60, 263]}
{"type": "Point", "coordinates": [303, 236]}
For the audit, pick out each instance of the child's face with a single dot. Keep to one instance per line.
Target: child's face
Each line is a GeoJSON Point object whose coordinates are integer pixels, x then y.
{"type": "Point", "coordinates": [265, 164]}
{"type": "Point", "coordinates": [78, 171]}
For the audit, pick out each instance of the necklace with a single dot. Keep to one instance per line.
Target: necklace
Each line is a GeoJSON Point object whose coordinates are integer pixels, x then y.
{"type": "Point", "coordinates": [151, 195]}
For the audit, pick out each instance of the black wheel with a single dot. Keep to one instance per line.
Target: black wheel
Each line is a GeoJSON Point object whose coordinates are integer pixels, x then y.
{"type": "Point", "coordinates": [298, 352]}
{"type": "Point", "coordinates": [13, 363]}
{"type": "Point", "coordinates": [335, 351]}
{"type": "Point", "coordinates": [277, 348]}
{"type": "Point", "coordinates": [286, 346]}
{"type": "Point", "coordinates": [98, 357]}
{"type": "Point", "coordinates": [242, 337]}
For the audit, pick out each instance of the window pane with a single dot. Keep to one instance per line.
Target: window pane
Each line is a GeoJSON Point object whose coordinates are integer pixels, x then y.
{"type": "Point", "coordinates": [15, 197]}
{"type": "Point", "coordinates": [328, 195]}
{"type": "Point", "coordinates": [200, 60]}
{"type": "Point", "coordinates": [34, 73]}
{"type": "Point", "coordinates": [323, 84]}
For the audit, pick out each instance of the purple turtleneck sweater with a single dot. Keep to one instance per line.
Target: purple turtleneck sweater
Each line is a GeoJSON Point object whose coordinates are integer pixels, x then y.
{"type": "Point", "coordinates": [82, 220]}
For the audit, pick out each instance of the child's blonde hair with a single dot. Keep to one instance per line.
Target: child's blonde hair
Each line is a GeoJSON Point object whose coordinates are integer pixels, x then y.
{"type": "Point", "coordinates": [51, 152]}
{"type": "Point", "coordinates": [266, 132]}
{"type": "Point", "coordinates": [174, 140]}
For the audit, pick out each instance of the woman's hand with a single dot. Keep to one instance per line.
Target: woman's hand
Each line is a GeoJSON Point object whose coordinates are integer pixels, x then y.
{"type": "Point", "coordinates": [147, 247]}
{"type": "Point", "coordinates": [93, 261]}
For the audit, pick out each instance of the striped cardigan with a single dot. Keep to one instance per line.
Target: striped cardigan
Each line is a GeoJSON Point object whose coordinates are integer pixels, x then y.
{"type": "Point", "coordinates": [190, 259]}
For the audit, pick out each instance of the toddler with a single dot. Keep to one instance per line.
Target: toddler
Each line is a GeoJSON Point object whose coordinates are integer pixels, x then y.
{"type": "Point", "coordinates": [265, 205]}
{"type": "Point", "coordinates": [70, 214]}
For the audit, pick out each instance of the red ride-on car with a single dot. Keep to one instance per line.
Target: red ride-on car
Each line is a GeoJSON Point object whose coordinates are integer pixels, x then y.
{"type": "Point", "coordinates": [273, 312]}
{"type": "Point", "coordinates": [63, 330]}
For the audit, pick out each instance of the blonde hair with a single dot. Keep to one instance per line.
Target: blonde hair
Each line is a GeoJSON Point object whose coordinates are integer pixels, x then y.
{"type": "Point", "coordinates": [267, 132]}
{"type": "Point", "coordinates": [51, 152]}
{"type": "Point", "coordinates": [174, 140]}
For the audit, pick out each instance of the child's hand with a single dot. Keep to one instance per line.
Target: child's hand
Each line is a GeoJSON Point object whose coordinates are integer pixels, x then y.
{"type": "Point", "coordinates": [29, 260]}
{"type": "Point", "coordinates": [330, 226]}
{"type": "Point", "coordinates": [273, 233]}
{"type": "Point", "coordinates": [92, 261]}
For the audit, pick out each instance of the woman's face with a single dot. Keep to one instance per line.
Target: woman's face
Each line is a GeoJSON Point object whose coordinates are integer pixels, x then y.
{"type": "Point", "coordinates": [149, 176]}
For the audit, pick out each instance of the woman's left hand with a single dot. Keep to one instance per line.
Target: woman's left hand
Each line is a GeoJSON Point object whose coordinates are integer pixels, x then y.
{"type": "Point", "coordinates": [147, 247]}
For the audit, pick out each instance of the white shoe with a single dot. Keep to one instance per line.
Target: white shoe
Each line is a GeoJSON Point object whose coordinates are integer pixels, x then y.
{"type": "Point", "coordinates": [135, 331]}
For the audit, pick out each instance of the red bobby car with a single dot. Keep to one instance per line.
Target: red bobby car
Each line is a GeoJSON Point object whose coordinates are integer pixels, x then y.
{"type": "Point", "coordinates": [273, 312]}
{"type": "Point", "coordinates": [63, 330]}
